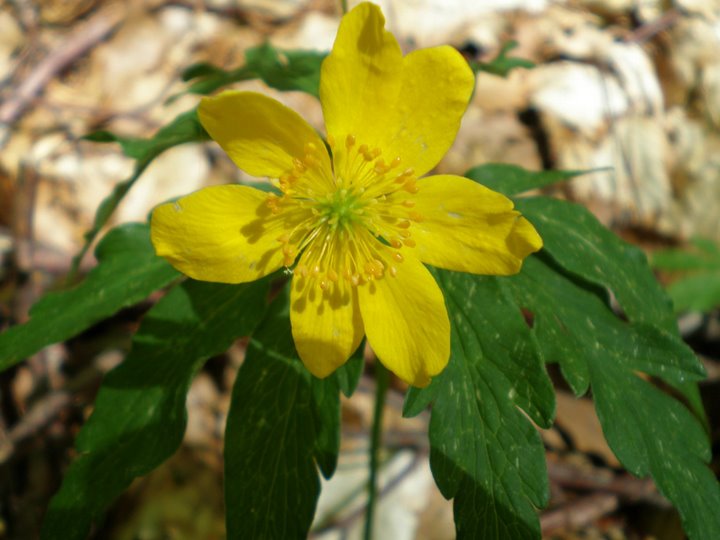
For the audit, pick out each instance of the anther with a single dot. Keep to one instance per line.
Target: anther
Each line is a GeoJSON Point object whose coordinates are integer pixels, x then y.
{"type": "Point", "coordinates": [310, 148]}
{"type": "Point", "coordinates": [408, 203]}
{"type": "Point", "coordinates": [395, 162]}
{"type": "Point", "coordinates": [299, 166]}
{"type": "Point", "coordinates": [350, 141]}
{"type": "Point", "coordinates": [302, 270]}
{"type": "Point", "coordinates": [316, 270]}
{"type": "Point", "coordinates": [355, 280]}
{"type": "Point", "coordinates": [405, 234]}
{"type": "Point", "coordinates": [376, 152]}
{"type": "Point", "coordinates": [393, 270]}
{"type": "Point", "coordinates": [416, 217]}
{"type": "Point", "coordinates": [332, 275]}
{"type": "Point", "coordinates": [411, 187]}
{"type": "Point", "coordinates": [323, 284]}
{"type": "Point", "coordinates": [284, 238]}
{"type": "Point", "coordinates": [404, 224]}
{"type": "Point", "coordinates": [397, 244]}
{"type": "Point", "coordinates": [380, 167]}
{"type": "Point", "coordinates": [398, 256]}
{"type": "Point", "coordinates": [409, 242]}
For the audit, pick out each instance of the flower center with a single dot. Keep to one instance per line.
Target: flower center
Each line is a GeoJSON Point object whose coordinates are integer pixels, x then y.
{"type": "Point", "coordinates": [341, 210]}
{"type": "Point", "coordinates": [349, 223]}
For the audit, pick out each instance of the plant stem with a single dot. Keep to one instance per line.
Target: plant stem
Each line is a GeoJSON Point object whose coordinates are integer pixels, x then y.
{"type": "Point", "coordinates": [344, 6]}
{"type": "Point", "coordinates": [382, 379]}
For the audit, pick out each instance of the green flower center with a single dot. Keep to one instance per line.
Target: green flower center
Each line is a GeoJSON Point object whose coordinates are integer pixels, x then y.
{"type": "Point", "coordinates": [341, 209]}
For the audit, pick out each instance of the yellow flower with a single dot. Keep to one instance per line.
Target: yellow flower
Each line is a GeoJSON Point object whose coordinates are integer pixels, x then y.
{"type": "Point", "coordinates": [357, 223]}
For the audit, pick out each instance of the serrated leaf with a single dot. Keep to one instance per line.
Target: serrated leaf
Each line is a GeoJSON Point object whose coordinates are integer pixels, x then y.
{"type": "Point", "coordinates": [282, 70]}
{"type": "Point", "coordinates": [484, 451]}
{"type": "Point", "coordinates": [128, 270]}
{"type": "Point", "coordinates": [512, 180]}
{"type": "Point", "coordinates": [502, 64]}
{"type": "Point", "coordinates": [649, 431]}
{"type": "Point", "coordinates": [581, 245]}
{"type": "Point", "coordinates": [281, 421]}
{"type": "Point", "coordinates": [139, 415]}
{"type": "Point", "coordinates": [184, 128]}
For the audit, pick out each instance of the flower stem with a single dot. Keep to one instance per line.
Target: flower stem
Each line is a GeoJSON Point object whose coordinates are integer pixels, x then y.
{"type": "Point", "coordinates": [382, 379]}
{"type": "Point", "coordinates": [344, 6]}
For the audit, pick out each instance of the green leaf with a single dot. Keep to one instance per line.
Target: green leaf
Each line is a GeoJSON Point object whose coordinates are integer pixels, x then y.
{"type": "Point", "coordinates": [649, 431]}
{"type": "Point", "coordinates": [484, 451]}
{"type": "Point", "coordinates": [127, 272]}
{"type": "Point", "coordinates": [139, 416]}
{"type": "Point", "coordinates": [512, 180]}
{"type": "Point", "coordinates": [184, 128]}
{"type": "Point", "coordinates": [698, 292]}
{"type": "Point", "coordinates": [581, 245]}
{"type": "Point", "coordinates": [282, 70]}
{"type": "Point", "coordinates": [281, 421]}
{"type": "Point", "coordinates": [502, 64]}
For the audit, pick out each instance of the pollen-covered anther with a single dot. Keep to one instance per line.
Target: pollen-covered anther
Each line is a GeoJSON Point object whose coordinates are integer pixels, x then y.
{"type": "Point", "coordinates": [332, 275]}
{"type": "Point", "coordinates": [380, 167]}
{"type": "Point", "coordinates": [417, 217]}
{"type": "Point", "coordinates": [393, 270]}
{"type": "Point", "coordinates": [398, 256]}
{"type": "Point", "coordinates": [350, 141]}
{"type": "Point", "coordinates": [411, 187]}
{"type": "Point", "coordinates": [288, 254]}
{"type": "Point", "coordinates": [374, 268]}
{"type": "Point", "coordinates": [407, 203]}
{"type": "Point", "coordinates": [405, 234]}
{"type": "Point", "coordinates": [283, 238]}
{"type": "Point", "coordinates": [299, 166]}
{"type": "Point", "coordinates": [405, 224]}
{"type": "Point", "coordinates": [301, 270]}
{"type": "Point", "coordinates": [365, 152]}
{"type": "Point", "coordinates": [395, 162]}
{"type": "Point", "coordinates": [409, 242]}
{"type": "Point", "coordinates": [323, 284]}
{"type": "Point", "coordinates": [405, 175]}
{"type": "Point", "coordinates": [397, 244]}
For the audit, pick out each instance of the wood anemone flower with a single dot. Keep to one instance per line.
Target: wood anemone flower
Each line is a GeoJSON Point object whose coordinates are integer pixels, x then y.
{"type": "Point", "coordinates": [356, 224]}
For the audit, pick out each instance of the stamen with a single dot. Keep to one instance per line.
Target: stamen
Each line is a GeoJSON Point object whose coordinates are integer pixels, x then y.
{"type": "Point", "coordinates": [332, 275]}
{"type": "Point", "coordinates": [405, 234]}
{"type": "Point", "coordinates": [395, 162]}
{"type": "Point", "coordinates": [408, 203]}
{"type": "Point", "coordinates": [409, 242]}
{"type": "Point", "coordinates": [416, 217]}
{"type": "Point", "coordinates": [331, 141]}
{"type": "Point", "coordinates": [393, 270]}
{"type": "Point", "coordinates": [397, 244]}
{"type": "Point", "coordinates": [404, 224]}
{"type": "Point", "coordinates": [350, 141]}
{"type": "Point", "coordinates": [398, 256]}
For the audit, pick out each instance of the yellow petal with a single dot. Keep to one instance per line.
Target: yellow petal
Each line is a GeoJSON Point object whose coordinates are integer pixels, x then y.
{"type": "Point", "coordinates": [326, 324]}
{"type": "Point", "coordinates": [261, 135]}
{"type": "Point", "coordinates": [406, 321]}
{"type": "Point", "coordinates": [469, 228]}
{"type": "Point", "coordinates": [436, 89]}
{"type": "Point", "coordinates": [225, 234]}
{"type": "Point", "coordinates": [361, 78]}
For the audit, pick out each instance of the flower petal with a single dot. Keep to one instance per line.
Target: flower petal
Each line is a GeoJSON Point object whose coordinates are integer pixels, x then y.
{"type": "Point", "coordinates": [326, 324]}
{"type": "Point", "coordinates": [437, 85]}
{"type": "Point", "coordinates": [361, 78]}
{"type": "Point", "coordinates": [261, 135]}
{"type": "Point", "coordinates": [224, 234]}
{"type": "Point", "coordinates": [406, 322]}
{"type": "Point", "coordinates": [469, 228]}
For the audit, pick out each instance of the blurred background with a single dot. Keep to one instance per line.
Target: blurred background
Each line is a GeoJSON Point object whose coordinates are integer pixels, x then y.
{"type": "Point", "coordinates": [628, 86]}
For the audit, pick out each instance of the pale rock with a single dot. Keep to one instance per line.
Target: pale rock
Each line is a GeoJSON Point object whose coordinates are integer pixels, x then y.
{"type": "Point", "coordinates": [273, 9]}
{"type": "Point", "coordinates": [426, 23]}
{"type": "Point", "coordinates": [316, 32]}
{"type": "Point", "coordinates": [178, 171]}
{"type": "Point", "coordinates": [578, 95]}
{"type": "Point", "coordinates": [11, 40]}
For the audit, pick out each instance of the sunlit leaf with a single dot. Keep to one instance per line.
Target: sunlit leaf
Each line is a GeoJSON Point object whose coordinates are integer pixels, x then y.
{"type": "Point", "coordinates": [282, 421]}
{"type": "Point", "coordinates": [127, 272]}
{"type": "Point", "coordinates": [139, 416]}
{"type": "Point", "coordinates": [282, 70]}
{"type": "Point", "coordinates": [512, 180]}
{"type": "Point", "coordinates": [485, 452]}
{"type": "Point", "coordinates": [503, 64]}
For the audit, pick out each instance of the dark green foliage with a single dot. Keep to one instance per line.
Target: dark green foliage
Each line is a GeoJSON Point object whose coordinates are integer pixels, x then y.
{"type": "Point", "coordinates": [128, 271]}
